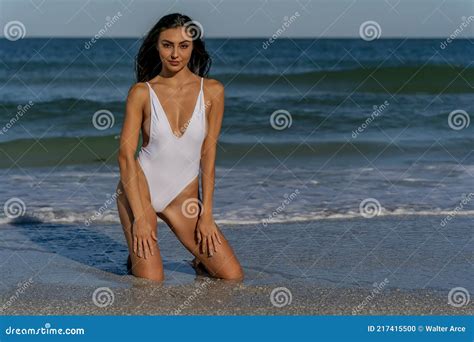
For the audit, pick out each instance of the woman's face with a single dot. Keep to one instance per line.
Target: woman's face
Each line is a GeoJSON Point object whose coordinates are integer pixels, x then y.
{"type": "Point", "coordinates": [175, 47]}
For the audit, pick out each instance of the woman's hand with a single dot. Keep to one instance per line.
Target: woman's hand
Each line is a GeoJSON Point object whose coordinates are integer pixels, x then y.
{"type": "Point", "coordinates": [144, 237]}
{"type": "Point", "coordinates": [208, 237]}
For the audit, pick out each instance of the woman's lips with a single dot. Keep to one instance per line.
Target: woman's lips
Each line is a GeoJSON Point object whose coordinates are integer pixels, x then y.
{"type": "Point", "coordinates": [174, 63]}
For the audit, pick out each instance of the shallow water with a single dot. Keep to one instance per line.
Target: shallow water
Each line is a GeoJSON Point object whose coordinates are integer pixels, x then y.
{"type": "Point", "coordinates": [410, 252]}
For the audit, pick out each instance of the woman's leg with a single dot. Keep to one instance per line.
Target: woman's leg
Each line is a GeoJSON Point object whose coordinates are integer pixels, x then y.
{"type": "Point", "coordinates": [222, 264]}
{"type": "Point", "coordinates": [152, 267]}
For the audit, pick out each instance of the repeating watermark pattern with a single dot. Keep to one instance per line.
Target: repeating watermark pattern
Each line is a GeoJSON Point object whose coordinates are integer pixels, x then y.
{"type": "Point", "coordinates": [465, 200]}
{"type": "Point", "coordinates": [22, 286]}
{"type": "Point", "coordinates": [14, 30]}
{"type": "Point", "coordinates": [288, 199]}
{"type": "Point", "coordinates": [182, 129]}
{"type": "Point", "coordinates": [103, 296]}
{"type": "Point", "coordinates": [103, 208]}
{"type": "Point", "coordinates": [19, 113]}
{"type": "Point", "coordinates": [458, 119]}
{"type": "Point", "coordinates": [370, 207]}
{"type": "Point", "coordinates": [458, 297]}
{"type": "Point", "coordinates": [378, 110]}
{"type": "Point", "coordinates": [281, 119]}
{"type": "Point", "coordinates": [109, 22]}
{"type": "Point", "coordinates": [378, 287]}
{"type": "Point", "coordinates": [197, 292]}
{"type": "Point", "coordinates": [193, 29]}
{"type": "Point", "coordinates": [191, 207]}
{"type": "Point", "coordinates": [370, 30]}
{"type": "Point", "coordinates": [103, 119]}
{"type": "Point", "coordinates": [280, 297]}
{"type": "Point", "coordinates": [14, 208]}
{"type": "Point", "coordinates": [465, 23]}
{"type": "Point", "coordinates": [287, 21]}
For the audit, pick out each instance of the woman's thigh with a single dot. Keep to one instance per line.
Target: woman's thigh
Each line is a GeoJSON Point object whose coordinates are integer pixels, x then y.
{"type": "Point", "coordinates": [152, 266]}
{"type": "Point", "coordinates": [224, 263]}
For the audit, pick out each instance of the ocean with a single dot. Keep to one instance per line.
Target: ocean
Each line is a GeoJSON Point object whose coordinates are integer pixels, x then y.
{"type": "Point", "coordinates": [315, 132]}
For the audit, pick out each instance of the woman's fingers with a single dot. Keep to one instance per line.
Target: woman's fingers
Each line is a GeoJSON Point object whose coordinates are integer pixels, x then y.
{"type": "Point", "coordinates": [150, 246]}
{"type": "Point", "coordinates": [153, 235]}
{"type": "Point", "coordinates": [204, 245]}
{"type": "Point", "coordinates": [198, 236]}
{"type": "Point", "coordinates": [135, 244]}
{"type": "Point", "coordinates": [214, 243]}
{"type": "Point", "coordinates": [139, 252]}
{"type": "Point", "coordinates": [209, 243]}
{"type": "Point", "coordinates": [145, 248]}
{"type": "Point", "coordinates": [218, 238]}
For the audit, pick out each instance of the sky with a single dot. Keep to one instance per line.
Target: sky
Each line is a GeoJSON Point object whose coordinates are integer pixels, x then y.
{"type": "Point", "coordinates": [244, 18]}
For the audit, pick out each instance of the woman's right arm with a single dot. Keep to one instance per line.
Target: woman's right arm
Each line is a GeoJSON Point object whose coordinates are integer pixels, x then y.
{"type": "Point", "coordinates": [128, 145]}
{"type": "Point", "coordinates": [142, 230]}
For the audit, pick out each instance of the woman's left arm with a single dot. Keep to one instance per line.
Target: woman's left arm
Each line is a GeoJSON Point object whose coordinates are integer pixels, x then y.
{"type": "Point", "coordinates": [207, 232]}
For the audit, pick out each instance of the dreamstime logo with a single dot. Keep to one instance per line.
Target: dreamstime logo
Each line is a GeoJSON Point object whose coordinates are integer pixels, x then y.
{"type": "Point", "coordinates": [458, 208]}
{"type": "Point", "coordinates": [286, 24]}
{"type": "Point", "coordinates": [103, 296]}
{"type": "Point", "coordinates": [14, 208]}
{"type": "Point", "coordinates": [193, 29]}
{"type": "Point", "coordinates": [370, 207]}
{"type": "Point", "coordinates": [375, 113]}
{"type": "Point", "coordinates": [458, 296]}
{"type": "Point", "coordinates": [190, 207]}
{"type": "Point", "coordinates": [280, 119]}
{"type": "Point", "coordinates": [378, 287]}
{"type": "Point", "coordinates": [20, 112]}
{"type": "Point", "coordinates": [465, 23]}
{"type": "Point", "coordinates": [288, 199]}
{"type": "Point", "coordinates": [370, 30]}
{"type": "Point", "coordinates": [280, 297]}
{"type": "Point", "coordinates": [458, 119]}
{"type": "Point", "coordinates": [102, 209]}
{"type": "Point", "coordinates": [14, 30]}
{"type": "Point", "coordinates": [109, 22]}
{"type": "Point", "coordinates": [103, 119]}
{"type": "Point", "coordinates": [183, 129]}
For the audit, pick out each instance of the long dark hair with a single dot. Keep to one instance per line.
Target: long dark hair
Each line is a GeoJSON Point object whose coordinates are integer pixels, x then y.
{"type": "Point", "coordinates": [148, 62]}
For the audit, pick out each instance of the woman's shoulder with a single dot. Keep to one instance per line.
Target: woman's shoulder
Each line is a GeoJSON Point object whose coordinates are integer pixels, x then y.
{"type": "Point", "coordinates": [138, 90]}
{"type": "Point", "coordinates": [214, 87]}
{"type": "Point", "coordinates": [213, 84]}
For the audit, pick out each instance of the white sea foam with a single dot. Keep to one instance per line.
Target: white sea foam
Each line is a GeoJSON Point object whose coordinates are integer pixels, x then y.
{"type": "Point", "coordinates": [109, 217]}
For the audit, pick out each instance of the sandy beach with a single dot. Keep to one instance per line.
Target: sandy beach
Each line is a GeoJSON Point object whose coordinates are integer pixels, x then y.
{"type": "Point", "coordinates": [85, 274]}
{"type": "Point", "coordinates": [205, 297]}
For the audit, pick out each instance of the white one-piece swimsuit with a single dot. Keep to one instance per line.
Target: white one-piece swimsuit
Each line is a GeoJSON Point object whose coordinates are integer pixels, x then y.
{"type": "Point", "coordinates": [169, 162]}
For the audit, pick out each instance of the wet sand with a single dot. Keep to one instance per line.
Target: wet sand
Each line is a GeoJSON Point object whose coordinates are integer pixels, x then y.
{"type": "Point", "coordinates": [221, 298]}
{"type": "Point", "coordinates": [68, 270]}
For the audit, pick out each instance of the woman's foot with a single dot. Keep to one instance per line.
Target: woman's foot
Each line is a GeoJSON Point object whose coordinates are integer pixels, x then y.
{"type": "Point", "coordinates": [129, 265]}
{"type": "Point", "coordinates": [199, 267]}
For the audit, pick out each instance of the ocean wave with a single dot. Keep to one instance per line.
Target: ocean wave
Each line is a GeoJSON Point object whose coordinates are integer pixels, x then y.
{"type": "Point", "coordinates": [104, 149]}
{"type": "Point", "coordinates": [400, 79]}
{"type": "Point", "coordinates": [49, 215]}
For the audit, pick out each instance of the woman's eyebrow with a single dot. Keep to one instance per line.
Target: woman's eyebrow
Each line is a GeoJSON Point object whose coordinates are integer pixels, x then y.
{"type": "Point", "coordinates": [169, 41]}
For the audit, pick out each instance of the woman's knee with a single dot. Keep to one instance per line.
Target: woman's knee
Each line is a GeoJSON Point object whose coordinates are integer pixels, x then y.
{"type": "Point", "coordinates": [228, 271]}
{"type": "Point", "coordinates": [155, 274]}
{"type": "Point", "coordinates": [150, 268]}
{"type": "Point", "coordinates": [233, 274]}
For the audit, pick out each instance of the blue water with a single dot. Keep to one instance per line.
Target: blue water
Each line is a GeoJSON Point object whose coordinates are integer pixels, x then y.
{"type": "Point", "coordinates": [359, 120]}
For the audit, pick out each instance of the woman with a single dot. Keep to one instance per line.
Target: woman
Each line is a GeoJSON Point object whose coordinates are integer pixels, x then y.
{"type": "Point", "coordinates": [178, 142]}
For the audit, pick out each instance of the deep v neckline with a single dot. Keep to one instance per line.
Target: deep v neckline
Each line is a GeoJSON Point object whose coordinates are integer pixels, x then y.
{"type": "Point", "coordinates": [166, 116]}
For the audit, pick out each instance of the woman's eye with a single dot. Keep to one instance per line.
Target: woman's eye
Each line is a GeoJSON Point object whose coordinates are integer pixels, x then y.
{"type": "Point", "coordinates": [184, 46]}
{"type": "Point", "coordinates": [166, 45]}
